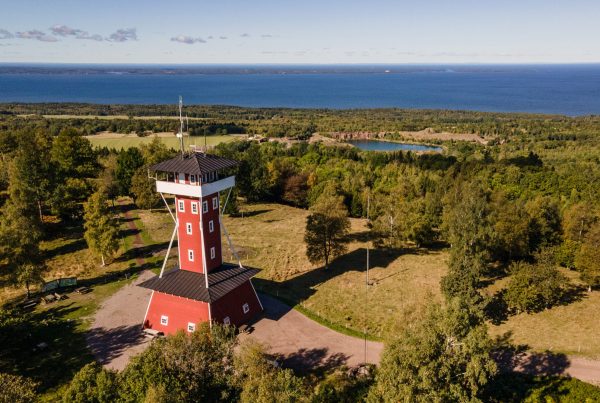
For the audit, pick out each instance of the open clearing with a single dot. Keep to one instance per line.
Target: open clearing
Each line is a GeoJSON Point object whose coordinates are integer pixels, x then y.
{"type": "Point", "coordinates": [403, 282]}
{"type": "Point", "coordinates": [123, 141]}
{"type": "Point", "coordinates": [271, 237]}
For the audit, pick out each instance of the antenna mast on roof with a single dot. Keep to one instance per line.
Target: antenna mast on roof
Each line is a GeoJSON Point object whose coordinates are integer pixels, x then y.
{"type": "Point", "coordinates": [180, 134]}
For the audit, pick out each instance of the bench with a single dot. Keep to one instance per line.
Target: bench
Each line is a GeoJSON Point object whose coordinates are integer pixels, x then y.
{"type": "Point", "coordinates": [48, 298]}
{"type": "Point", "coordinates": [153, 334]}
{"type": "Point", "coordinates": [83, 290]}
{"type": "Point", "coordinates": [59, 296]}
{"type": "Point", "coordinates": [28, 305]}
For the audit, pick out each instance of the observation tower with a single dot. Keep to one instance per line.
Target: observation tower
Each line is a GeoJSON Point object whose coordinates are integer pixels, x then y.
{"type": "Point", "coordinates": [201, 288]}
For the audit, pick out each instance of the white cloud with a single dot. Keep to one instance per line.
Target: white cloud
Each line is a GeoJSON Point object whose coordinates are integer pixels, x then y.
{"type": "Point", "coordinates": [188, 40]}
{"type": "Point", "coordinates": [37, 35]}
{"type": "Point", "coordinates": [123, 35]}
{"type": "Point", "coordinates": [63, 30]}
{"type": "Point", "coordinates": [4, 34]}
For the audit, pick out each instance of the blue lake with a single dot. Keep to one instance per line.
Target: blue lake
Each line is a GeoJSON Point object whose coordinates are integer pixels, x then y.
{"type": "Point", "coordinates": [558, 89]}
{"type": "Point", "coordinates": [378, 145]}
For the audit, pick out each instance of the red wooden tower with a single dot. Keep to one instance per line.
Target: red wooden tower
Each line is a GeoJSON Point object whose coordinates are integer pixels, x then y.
{"type": "Point", "coordinates": [201, 288]}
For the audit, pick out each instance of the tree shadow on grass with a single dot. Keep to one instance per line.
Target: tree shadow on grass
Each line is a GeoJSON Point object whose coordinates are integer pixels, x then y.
{"type": "Point", "coordinates": [72, 246]}
{"type": "Point", "coordinates": [253, 213]}
{"type": "Point", "coordinates": [124, 233]}
{"type": "Point", "coordinates": [146, 251]}
{"type": "Point", "coordinates": [45, 345]}
{"type": "Point", "coordinates": [116, 275]}
{"type": "Point", "coordinates": [301, 287]}
{"type": "Point", "coordinates": [498, 311]}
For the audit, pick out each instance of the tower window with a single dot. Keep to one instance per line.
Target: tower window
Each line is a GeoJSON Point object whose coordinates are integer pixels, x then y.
{"type": "Point", "coordinates": [204, 206]}
{"type": "Point", "coordinates": [188, 228]}
{"type": "Point", "coordinates": [190, 255]}
{"type": "Point", "coordinates": [181, 206]}
{"type": "Point", "coordinates": [246, 308]}
{"type": "Point", "coordinates": [215, 203]}
{"type": "Point", "coordinates": [194, 207]}
{"type": "Point", "coordinates": [164, 320]}
{"type": "Point", "coordinates": [211, 226]}
{"type": "Point", "coordinates": [212, 252]}
{"type": "Point", "coordinates": [191, 327]}
{"type": "Point", "coordinates": [193, 179]}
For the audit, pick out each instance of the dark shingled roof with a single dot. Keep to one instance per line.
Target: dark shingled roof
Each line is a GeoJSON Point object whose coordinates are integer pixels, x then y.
{"type": "Point", "coordinates": [195, 163]}
{"type": "Point", "coordinates": [192, 285]}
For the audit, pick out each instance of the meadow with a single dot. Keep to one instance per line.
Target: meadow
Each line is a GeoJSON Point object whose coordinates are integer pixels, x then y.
{"type": "Point", "coordinates": [402, 282]}
{"type": "Point", "coordinates": [124, 141]}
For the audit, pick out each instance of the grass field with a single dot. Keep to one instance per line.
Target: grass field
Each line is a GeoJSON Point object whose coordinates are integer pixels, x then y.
{"type": "Point", "coordinates": [570, 329]}
{"type": "Point", "coordinates": [403, 282]}
{"type": "Point", "coordinates": [126, 141]}
{"type": "Point", "coordinates": [270, 237]}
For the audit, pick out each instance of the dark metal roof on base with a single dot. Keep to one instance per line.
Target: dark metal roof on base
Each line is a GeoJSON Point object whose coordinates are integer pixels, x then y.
{"type": "Point", "coordinates": [195, 163]}
{"type": "Point", "coordinates": [192, 285]}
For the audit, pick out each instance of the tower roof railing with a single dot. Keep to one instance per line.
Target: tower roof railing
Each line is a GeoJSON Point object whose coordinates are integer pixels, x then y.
{"type": "Point", "coordinates": [194, 163]}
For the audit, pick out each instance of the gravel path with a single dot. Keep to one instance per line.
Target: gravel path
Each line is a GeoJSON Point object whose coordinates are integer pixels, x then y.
{"type": "Point", "coordinates": [305, 344]}
{"type": "Point", "coordinates": [298, 341]}
{"type": "Point", "coordinates": [115, 335]}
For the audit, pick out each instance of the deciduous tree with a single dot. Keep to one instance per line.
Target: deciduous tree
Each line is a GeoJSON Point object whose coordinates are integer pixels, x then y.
{"type": "Point", "coordinates": [535, 287]}
{"type": "Point", "coordinates": [446, 357]}
{"type": "Point", "coordinates": [101, 229]}
{"type": "Point", "coordinates": [326, 228]}
{"type": "Point", "coordinates": [587, 260]}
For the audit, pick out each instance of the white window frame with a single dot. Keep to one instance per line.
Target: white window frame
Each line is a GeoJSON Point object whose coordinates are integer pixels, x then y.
{"type": "Point", "coordinates": [194, 207]}
{"type": "Point", "coordinates": [213, 252]}
{"type": "Point", "coordinates": [191, 327]}
{"type": "Point", "coordinates": [205, 206]}
{"type": "Point", "coordinates": [181, 206]}
{"type": "Point", "coordinates": [188, 228]}
{"type": "Point", "coordinates": [215, 202]}
{"type": "Point", "coordinates": [211, 226]}
{"type": "Point", "coordinates": [226, 320]}
{"type": "Point", "coordinates": [191, 255]}
{"type": "Point", "coordinates": [246, 308]}
{"type": "Point", "coordinates": [164, 320]}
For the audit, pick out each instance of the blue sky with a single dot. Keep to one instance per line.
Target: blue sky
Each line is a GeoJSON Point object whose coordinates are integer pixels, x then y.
{"type": "Point", "coordinates": [307, 31]}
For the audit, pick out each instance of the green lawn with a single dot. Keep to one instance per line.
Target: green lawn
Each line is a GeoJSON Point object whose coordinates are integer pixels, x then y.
{"type": "Point", "coordinates": [171, 142]}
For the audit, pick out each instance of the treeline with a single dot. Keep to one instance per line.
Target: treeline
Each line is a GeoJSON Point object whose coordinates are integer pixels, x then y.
{"type": "Point", "coordinates": [292, 122]}
{"type": "Point", "coordinates": [501, 213]}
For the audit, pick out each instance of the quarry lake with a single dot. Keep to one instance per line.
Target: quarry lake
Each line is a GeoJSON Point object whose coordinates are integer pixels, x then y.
{"type": "Point", "coordinates": [560, 89]}
{"type": "Point", "coordinates": [378, 145]}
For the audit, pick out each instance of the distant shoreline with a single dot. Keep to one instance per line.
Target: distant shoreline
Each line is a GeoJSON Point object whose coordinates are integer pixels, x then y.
{"type": "Point", "coordinates": [570, 90]}
{"type": "Point", "coordinates": [251, 69]}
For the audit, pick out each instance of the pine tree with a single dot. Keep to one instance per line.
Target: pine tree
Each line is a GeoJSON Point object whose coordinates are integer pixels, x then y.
{"type": "Point", "coordinates": [20, 233]}
{"type": "Point", "coordinates": [101, 229]}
